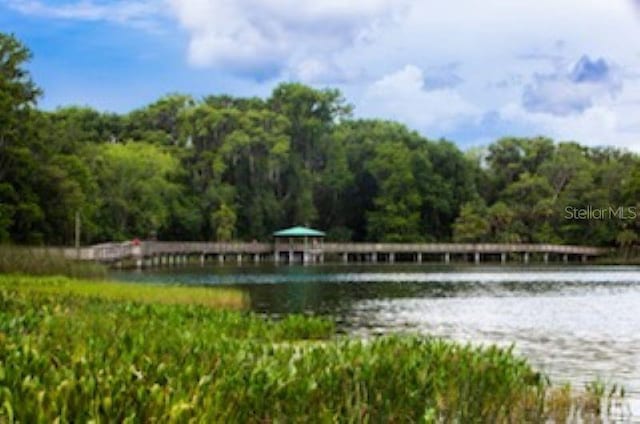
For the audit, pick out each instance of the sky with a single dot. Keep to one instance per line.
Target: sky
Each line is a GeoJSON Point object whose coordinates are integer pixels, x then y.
{"type": "Point", "coordinates": [464, 70]}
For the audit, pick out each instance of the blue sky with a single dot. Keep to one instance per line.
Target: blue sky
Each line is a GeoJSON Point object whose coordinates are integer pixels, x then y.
{"type": "Point", "coordinates": [465, 70]}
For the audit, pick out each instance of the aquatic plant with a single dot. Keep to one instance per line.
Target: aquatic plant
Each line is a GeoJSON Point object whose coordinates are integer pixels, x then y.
{"type": "Point", "coordinates": [73, 357]}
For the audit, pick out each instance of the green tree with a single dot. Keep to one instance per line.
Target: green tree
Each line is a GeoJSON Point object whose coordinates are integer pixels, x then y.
{"type": "Point", "coordinates": [135, 189]}
{"type": "Point", "coordinates": [472, 224]}
{"type": "Point", "coordinates": [205, 130]}
{"type": "Point", "coordinates": [501, 221]}
{"type": "Point", "coordinates": [626, 239]}
{"type": "Point", "coordinates": [68, 188]}
{"type": "Point", "coordinates": [447, 180]}
{"type": "Point", "coordinates": [312, 115]}
{"type": "Point", "coordinates": [224, 222]}
{"type": "Point", "coordinates": [20, 213]}
{"type": "Point", "coordinates": [159, 122]}
{"type": "Point", "coordinates": [529, 198]}
{"type": "Point", "coordinates": [258, 151]}
{"type": "Point", "coordinates": [67, 129]}
{"type": "Point", "coordinates": [332, 192]}
{"type": "Point", "coordinates": [396, 213]}
{"type": "Point", "coordinates": [508, 158]}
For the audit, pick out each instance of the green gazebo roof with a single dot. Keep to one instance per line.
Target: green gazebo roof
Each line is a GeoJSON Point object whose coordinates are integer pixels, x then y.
{"type": "Point", "coordinates": [298, 232]}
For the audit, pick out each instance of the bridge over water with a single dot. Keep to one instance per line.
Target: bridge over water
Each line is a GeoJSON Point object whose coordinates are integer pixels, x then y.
{"type": "Point", "coordinates": [157, 253]}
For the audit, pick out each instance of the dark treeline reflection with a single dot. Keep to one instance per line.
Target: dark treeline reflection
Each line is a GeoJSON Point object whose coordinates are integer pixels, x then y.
{"type": "Point", "coordinates": [333, 289]}
{"type": "Point", "coordinates": [222, 168]}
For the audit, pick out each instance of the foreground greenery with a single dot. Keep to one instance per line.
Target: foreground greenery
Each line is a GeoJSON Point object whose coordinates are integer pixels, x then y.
{"type": "Point", "coordinates": [221, 168]}
{"type": "Point", "coordinates": [71, 353]}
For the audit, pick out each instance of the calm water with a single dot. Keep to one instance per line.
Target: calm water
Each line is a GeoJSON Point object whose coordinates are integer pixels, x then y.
{"type": "Point", "coordinates": [576, 323]}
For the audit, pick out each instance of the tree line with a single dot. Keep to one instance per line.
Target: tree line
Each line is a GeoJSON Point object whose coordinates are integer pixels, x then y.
{"type": "Point", "coordinates": [223, 167]}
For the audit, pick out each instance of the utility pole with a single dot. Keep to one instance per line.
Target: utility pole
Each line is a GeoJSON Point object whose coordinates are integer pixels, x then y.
{"type": "Point", "coordinates": [78, 234]}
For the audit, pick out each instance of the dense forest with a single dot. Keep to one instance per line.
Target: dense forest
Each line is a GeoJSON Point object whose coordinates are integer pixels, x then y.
{"type": "Point", "coordinates": [221, 168]}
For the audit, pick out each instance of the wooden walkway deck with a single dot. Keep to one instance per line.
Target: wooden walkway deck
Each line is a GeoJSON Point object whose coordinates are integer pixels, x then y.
{"type": "Point", "coordinates": [153, 253]}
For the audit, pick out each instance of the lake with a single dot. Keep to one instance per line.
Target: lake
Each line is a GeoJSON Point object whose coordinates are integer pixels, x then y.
{"type": "Point", "coordinates": [577, 323]}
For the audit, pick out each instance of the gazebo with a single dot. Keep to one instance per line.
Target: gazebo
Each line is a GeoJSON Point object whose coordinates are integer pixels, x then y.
{"type": "Point", "coordinates": [304, 243]}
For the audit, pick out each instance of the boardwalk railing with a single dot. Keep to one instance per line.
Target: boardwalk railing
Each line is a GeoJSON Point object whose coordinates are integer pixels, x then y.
{"type": "Point", "coordinates": [484, 248]}
{"type": "Point", "coordinates": [112, 252]}
{"type": "Point", "coordinates": [155, 253]}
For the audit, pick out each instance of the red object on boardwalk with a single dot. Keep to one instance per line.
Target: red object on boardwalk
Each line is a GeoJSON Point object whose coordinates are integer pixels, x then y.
{"type": "Point", "coordinates": [135, 241]}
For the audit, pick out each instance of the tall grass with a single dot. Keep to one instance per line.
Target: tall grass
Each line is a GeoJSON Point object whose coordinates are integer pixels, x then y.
{"type": "Point", "coordinates": [74, 358]}
{"type": "Point", "coordinates": [41, 261]}
{"type": "Point", "coordinates": [217, 297]}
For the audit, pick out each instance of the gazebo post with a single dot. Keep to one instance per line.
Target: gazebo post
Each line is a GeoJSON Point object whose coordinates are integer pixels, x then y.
{"type": "Point", "coordinates": [305, 241]}
{"type": "Point", "coordinates": [305, 252]}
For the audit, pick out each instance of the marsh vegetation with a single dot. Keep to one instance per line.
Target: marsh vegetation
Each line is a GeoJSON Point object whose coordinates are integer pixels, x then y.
{"type": "Point", "coordinates": [74, 351]}
{"type": "Point", "coordinates": [39, 261]}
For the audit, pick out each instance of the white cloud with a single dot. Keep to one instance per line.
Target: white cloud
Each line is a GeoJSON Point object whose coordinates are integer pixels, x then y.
{"type": "Point", "coordinates": [402, 96]}
{"type": "Point", "coordinates": [516, 54]}
{"type": "Point", "coordinates": [318, 70]}
{"type": "Point", "coordinates": [565, 93]}
{"type": "Point", "coordinates": [612, 122]}
{"type": "Point", "coordinates": [296, 35]}
{"type": "Point", "coordinates": [138, 13]}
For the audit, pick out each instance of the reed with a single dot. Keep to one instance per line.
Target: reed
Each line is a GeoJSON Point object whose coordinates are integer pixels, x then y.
{"type": "Point", "coordinates": [217, 297]}
{"type": "Point", "coordinates": [40, 261]}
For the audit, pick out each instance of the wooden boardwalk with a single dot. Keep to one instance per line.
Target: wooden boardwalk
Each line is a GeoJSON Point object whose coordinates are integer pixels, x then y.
{"type": "Point", "coordinates": [154, 253]}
